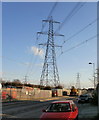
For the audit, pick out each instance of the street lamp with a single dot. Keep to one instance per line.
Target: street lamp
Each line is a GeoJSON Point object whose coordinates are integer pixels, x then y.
{"type": "Point", "coordinates": [93, 72]}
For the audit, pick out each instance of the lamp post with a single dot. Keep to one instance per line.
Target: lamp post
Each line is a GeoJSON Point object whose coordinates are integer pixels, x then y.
{"type": "Point", "coordinates": [93, 72]}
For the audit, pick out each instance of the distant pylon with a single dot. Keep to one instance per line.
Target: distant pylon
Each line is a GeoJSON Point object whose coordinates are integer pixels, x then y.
{"type": "Point", "coordinates": [25, 81]}
{"type": "Point", "coordinates": [50, 74]}
{"type": "Point", "coordinates": [78, 81]}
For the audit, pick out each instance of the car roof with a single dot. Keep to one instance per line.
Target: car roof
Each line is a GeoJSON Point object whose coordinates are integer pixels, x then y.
{"type": "Point", "coordinates": [67, 101]}
{"type": "Point", "coordinates": [85, 95]}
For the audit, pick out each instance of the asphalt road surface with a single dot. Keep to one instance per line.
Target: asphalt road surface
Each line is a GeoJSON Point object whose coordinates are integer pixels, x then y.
{"type": "Point", "coordinates": [25, 109]}
{"type": "Point", "coordinates": [30, 109]}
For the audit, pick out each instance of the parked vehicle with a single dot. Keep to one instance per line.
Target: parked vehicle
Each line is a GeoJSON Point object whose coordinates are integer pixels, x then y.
{"type": "Point", "coordinates": [54, 93]}
{"type": "Point", "coordinates": [61, 110]}
{"type": "Point", "coordinates": [84, 98]}
{"type": "Point", "coordinates": [64, 93]}
{"type": "Point", "coordinates": [74, 91]}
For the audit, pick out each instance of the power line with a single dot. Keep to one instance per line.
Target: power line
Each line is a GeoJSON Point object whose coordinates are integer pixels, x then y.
{"type": "Point", "coordinates": [72, 13]}
{"type": "Point", "coordinates": [69, 16]}
{"type": "Point", "coordinates": [76, 8]}
{"type": "Point", "coordinates": [29, 66]}
{"type": "Point", "coordinates": [53, 7]}
{"type": "Point", "coordinates": [10, 59]}
{"type": "Point", "coordinates": [80, 31]}
{"type": "Point", "coordinates": [75, 34]}
{"type": "Point", "coordinates": [83, 42]}
{"type": "Point", "coordinates": [50, 13]}
{"type": "Point", "coordinates": [31, 63]}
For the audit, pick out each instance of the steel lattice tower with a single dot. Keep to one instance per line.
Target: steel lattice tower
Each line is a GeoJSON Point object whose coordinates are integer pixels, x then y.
{"type": "Point", "coordinates": [50, 74]}
{"type": "Point", "coordinates": [78, 81]}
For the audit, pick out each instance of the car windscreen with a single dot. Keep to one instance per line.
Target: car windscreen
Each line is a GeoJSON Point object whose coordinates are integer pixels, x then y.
{"type": "Point", "coordinates": [83, 96]}
{"type": "Point", "coordinates": [59, 107]}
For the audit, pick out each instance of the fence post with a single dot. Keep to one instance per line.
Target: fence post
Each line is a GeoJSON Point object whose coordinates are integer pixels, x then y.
{"type": "Point", "coordinates": [20, 94]}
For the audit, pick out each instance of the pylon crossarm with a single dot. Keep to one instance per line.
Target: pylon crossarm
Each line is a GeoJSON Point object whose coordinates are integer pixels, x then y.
{"type": "Point", "coordinates": [56, 34]}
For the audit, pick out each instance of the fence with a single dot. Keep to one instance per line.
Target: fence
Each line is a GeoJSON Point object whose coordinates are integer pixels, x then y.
{"type": "Point", "coordinates": [24, 94]}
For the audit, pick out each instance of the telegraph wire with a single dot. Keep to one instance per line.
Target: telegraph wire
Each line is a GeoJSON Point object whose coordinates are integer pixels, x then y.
{"type": "Point", "coordinates": [81, 43]}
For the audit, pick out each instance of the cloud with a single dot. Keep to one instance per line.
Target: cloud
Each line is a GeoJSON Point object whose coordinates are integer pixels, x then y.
{"type": "Point", "coordinates": [37, 51]}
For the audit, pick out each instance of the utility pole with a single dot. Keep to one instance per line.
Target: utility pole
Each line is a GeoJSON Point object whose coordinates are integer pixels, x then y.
{"type": "Point", "coordinates": [78, 81]}
{"type": "Point", "coordinates": [50, 74]}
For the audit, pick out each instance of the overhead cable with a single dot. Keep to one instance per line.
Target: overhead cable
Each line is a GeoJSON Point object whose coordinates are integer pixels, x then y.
{"type": "Point", "coordinates": [31, 63]}
{"type": "Point", "coordinates": [88, 25]}
{"type": "Point", "coordinates": [53, 7]}
{"type": "Point", "coordinates": [80, 31]}
{"type": "Point", "coordinates": [83, 42]}
{"type": "Point", "coordinates": [50, 13]}
{"type": "Point", "coordinates": [76, 8]}
{"type": "Point", "coordinates": [13, 60]}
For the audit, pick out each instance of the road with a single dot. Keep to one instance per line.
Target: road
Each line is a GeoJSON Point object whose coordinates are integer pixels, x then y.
{"type": "Point", "coordinates": [26, 109]}
{"type": "Point", "coordinates": [32, 109]}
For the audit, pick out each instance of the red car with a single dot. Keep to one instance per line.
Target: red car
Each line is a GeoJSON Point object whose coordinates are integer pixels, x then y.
{"type": "Point", "coordinates": [61, 110]}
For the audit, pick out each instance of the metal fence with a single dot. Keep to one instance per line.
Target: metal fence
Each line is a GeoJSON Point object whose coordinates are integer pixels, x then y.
{"type": "Point", "coordinates": [9, 94]}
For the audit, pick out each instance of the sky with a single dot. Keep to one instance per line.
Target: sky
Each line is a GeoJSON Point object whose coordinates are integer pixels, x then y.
{"type": "Point", "coordinates": [20, 57]}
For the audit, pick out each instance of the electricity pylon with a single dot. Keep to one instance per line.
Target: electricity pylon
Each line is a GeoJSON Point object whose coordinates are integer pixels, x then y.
{"type": "Point", "coordinates": [78, 81]}
{"type": "Point", "coordinates": [50, 76]}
